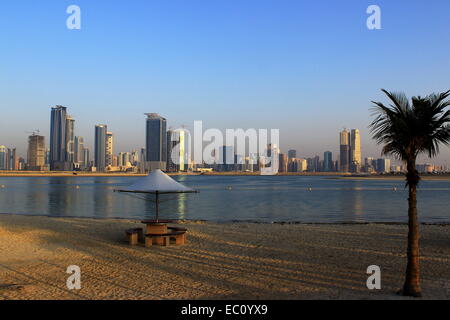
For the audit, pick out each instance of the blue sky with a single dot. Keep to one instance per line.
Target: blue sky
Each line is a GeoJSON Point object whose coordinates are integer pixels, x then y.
{"type": "Point", "coordinates": [308, 68]}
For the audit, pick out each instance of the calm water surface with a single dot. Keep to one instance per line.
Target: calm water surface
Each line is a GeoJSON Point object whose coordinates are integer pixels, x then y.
{"type": "Point", "coordinates": [258, 198]}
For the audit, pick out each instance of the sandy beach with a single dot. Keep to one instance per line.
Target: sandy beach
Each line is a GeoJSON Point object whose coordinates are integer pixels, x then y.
{"type": "Point", "coordinates": [220, 261]}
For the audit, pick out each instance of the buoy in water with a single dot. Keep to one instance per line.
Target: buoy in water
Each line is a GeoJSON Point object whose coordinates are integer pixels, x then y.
{"type": "Point", "coordinates": [229, 188]}
{"type": "Point", "coordinates": [310, 189]}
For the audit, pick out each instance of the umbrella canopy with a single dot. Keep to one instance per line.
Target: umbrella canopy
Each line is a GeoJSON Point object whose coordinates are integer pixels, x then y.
{"type": "Point", "coordinates": [157, 182]}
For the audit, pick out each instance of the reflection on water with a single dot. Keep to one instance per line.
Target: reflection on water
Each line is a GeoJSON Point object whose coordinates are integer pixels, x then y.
{"type": "Point", "coordinates": [267, 199]}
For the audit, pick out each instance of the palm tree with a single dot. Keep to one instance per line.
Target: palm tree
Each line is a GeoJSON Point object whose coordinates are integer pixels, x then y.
{"type": "Point", "coordinates": [405, 131]}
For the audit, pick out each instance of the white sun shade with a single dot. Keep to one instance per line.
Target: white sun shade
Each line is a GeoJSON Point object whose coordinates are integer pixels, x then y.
{"type": "Point", "coordinates": [157, 182]}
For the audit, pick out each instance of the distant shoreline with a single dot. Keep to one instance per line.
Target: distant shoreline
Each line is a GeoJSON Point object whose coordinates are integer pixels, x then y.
{"type": "Point", "coordinates": [332, 175]}
{"type": "Point", "coordinates": [125, 174]}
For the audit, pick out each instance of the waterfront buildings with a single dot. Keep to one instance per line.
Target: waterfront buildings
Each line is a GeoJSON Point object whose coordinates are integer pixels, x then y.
{"type": "Point", "coordinates": [100, 147]}
{"type": "Point", "coordinates": [383, 165]}
{"type": "Point", "coordinates": [12, 162]}
{"type": "Point", "coordinates": [297, 165]}
{"type": "Point", "coordinates": [3, 154]}
{"type": "Point", "coordinates": [328, 161]}
{"type": "Point", "coordinates": [355, 151]}
{"type": "Point", "coordinates": [86, 163]}
{"type": "Point", "coordinates": [350, 151]}
{"type": "Point", "coordinates": [109, 149]}
{"type": "Point", "coordinates": [70, 142]}
{"type": "Point", "coordinates": [178, 156]}
{"type": "Point", "coordinates": [283, 163]}
{"type": "Point", "coordinates": [344, 150]}
{"type": "Point", "coordinates": [58, 123]}
{"type": "Point", "coordinates": [156, 142]}
{"type": "Point", "coordinates": [36, 153]}
{"type": "Point", "coordinates": [62, 139]}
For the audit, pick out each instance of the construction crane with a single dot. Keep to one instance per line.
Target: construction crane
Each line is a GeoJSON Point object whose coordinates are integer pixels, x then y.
{"type": "Point", "coordinates": [35, 132]}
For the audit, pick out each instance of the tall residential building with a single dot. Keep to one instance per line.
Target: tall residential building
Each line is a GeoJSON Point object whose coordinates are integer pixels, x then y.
{"type": "Point", "coordinates": [86, 163]}
{"type": "Point", "coordinates": [125, 159]}
{"type": "Point", "coordinates": [355, 151]}
{"type": "Point", "coordinates": [70, 140]}
{"type": "Point", "coordinates": [47, 157]}
{"type": "Point", "coordinates": [100, 147]}
{"type": "Point", "coordinates": [58, 146]}
{"type": "Point", "coordinates": [11, 159]}
{"type": "Point", "coordinates": [370, 165]}
{"type": "Point", "coordinates": [292, 154]}
{"type": "Point", "coordinates": [3, 153]}
{"type": "Point", "coordinates": [344, 150]}
{"type": "Point", "coordinates": [170, 166]}
{"type": "Point", "coordinates": [36, 153]}
{"type": "Point", "coordinates": [297, 165]}
{"type": "Point", "coordinates": [328, 161]}
{"type": "Point", "coordinates": [78, 150]}
{"type": "Point", "coordinates": [178, 158]}
{"type": "Point", "coordinates": [134, 158]}
{"type": "Point", "coordinates": [142, 160]}
{"type": "Point", "coordinates": [383, 165]}
{"type": "Point", "coordinates": [109, 148]}
{"type": "Point", "coordinates": [156, 142]}
{"type": "Point", "coordinates": [282, 163]}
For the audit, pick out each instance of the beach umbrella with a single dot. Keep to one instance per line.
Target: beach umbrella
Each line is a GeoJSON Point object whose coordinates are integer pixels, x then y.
{"type": "Point", "coordinates": [157, 183]}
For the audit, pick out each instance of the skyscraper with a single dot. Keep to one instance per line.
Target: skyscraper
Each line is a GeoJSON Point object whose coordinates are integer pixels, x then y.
{"type": "Point", "coordinates": [156, 142]}
{"type": "Point", "coordinates": [100, 147]}
{"type": "Point", "coordinates": [70, 141]}
{"type": "Point", "coordinates": [170, 166]}
{"type": "Point", "coordinates": [142, 160]}
{"type": "Point", "coordinates": [11, 159]}
{"type": "Point", "coordinates": [327, 161]}
{"type": "Point", "coordinates": [355, 151]}
{"type": "Point", "coordinates": [383, 165]}
{"type": "Point", "coordinates": [86, 159]}
{"type": "Point", "coordinates": [3, 153]}
{"type": "Point", "coordinates": [344, 150]}
{"type": "Point", "coordinates": [36, 153]}
{"type": "Point", "coordinates": [78, 150]}
{"type": "Point", "coordinates": [283, 163]}
{"type": "Point", "coordinates": [58, 123]}
{"type": "Point", "coordinates": [178, 158]}
{"type": "Point", "coordinates": [109, 148]}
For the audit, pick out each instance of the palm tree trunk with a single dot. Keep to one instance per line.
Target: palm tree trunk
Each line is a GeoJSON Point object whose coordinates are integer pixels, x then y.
{"type": "Point", "coordinates": [412, 281]}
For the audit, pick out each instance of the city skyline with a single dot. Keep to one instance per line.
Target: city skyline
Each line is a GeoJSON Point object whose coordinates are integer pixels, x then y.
{"type": "Point", "coordinates": [67, 152]}
{"type": "Point", "coordinates": [70, 151]}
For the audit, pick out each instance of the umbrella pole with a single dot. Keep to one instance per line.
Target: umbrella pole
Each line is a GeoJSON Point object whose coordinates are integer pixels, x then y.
{"type": "Point", "coordinates": [157, 206]}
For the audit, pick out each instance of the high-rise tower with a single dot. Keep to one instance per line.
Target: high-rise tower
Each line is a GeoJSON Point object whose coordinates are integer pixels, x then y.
{"type": "Point", "coordinates": [355, 144]}
{"type": "Point", "coordinates": [58, 123]}
{"type": "Point", "coordinates": [344, 150]}
{"type": "Point", "coordinates": [100, 147]}
{"type": "Point", "coordinates": [109, 148]}
{"type": "Point", "coordinates": [36, 153]}
{"type": "Point", "coordinates": [156, 142]}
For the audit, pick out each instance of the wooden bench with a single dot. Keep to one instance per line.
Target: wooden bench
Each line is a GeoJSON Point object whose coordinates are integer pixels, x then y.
{"type": "Point", "coordinates": [134, 236]}
{"type": "Point", "coordinates": [164, 239]}
{"type": "Point", "coordinates": [179, 229]}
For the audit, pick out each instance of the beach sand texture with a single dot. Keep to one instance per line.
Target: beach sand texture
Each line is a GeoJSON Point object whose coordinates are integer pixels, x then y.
{"type": "Point", "coordinates": [220, 261]}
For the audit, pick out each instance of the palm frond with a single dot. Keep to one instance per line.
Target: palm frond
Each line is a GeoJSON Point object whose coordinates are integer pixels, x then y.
{"type": "Point", "coordinates": [408, 129]}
